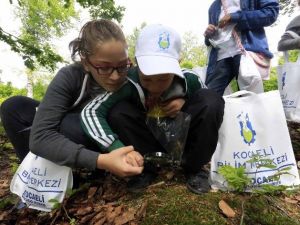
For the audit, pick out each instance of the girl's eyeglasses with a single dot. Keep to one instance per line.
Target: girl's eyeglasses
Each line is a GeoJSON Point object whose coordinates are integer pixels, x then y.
{"type": "Point", "coordinates": [107, 71]}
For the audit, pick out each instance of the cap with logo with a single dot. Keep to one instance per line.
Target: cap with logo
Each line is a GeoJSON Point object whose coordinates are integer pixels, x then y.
{"type": "Point", "coordinates": [157, 50]}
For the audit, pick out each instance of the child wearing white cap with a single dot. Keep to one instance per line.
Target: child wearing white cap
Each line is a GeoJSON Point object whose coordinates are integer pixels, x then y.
{"type": "Point", "coordinates": [157, 80]}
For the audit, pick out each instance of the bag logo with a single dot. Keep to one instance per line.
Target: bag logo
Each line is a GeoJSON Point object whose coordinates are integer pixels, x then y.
{"type": "Point", "coordinates": [283, 79]}
{"type": "Point", "coordinates": [247, 131]}
{"type": "Point", "coordinates": [164, 40]}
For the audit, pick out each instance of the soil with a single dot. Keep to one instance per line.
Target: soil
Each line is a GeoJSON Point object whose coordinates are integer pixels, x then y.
{"type": "Point", "coordinates": [95, 202]}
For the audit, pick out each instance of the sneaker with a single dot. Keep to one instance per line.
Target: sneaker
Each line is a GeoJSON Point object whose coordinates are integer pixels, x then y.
{"type": "Point", "coordinates": [140, 182]}
{"type": "Point", "coordinates": [198, 182]}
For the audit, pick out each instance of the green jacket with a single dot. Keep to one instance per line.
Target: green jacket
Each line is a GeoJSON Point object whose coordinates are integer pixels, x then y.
{"type": "Point", "coordinates": [93, 116]}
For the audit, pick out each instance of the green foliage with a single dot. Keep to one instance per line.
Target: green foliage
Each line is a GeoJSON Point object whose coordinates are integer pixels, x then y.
{"type": "Point", "coordinates": [187, 64]}
{"type": "Point", "coordinates": [14, 167]}
{"type": "Point", "coordinates": [287, 6]}
{"type": "Point", "coordinates": [292, 56]}
{"type": "Point", "coordinates": [131, 41]}
{"type": "Point", "coordinates": [56, 203]}
{"type": "Point", "coordinates": [44, 20]}
{"type": "Point", "coordinates": [260, 162]}
{"type": "Point", "coordinates": [72, 221]}
{"type": "Point", "coordinates": [270, 189]}
{"type": "Point", "coordinates": [14, 162]}
{"type": "Point", "coordinates": [2, 131]}
{"type": "Point", "coordinates": [261, 210]}
{"type": "Point", "coordinates": [31, 52]}
{"type": "Point", "coordinates": [238, 180]}
{"type": "Point", "coordinates": [271, 84]}
{"type": "Point", "coordinates": [39, 90]}
{"type": "Point", "coordinates": [70, 192]}
{"type": "Point", "coordinates": [41, 18]}
{"type": "Point", "coordinates": [103, 9]}
{"type": "Point", "coordinates": [7, 90]}
{"type": "Point", "coordinates": [176, 205]}
{"type": "Point", "coordinates": [235, 177]}
{"type": "Point", "coordinates": [5, 202]}
{"type": "Point", "coordinates": [192, 51]}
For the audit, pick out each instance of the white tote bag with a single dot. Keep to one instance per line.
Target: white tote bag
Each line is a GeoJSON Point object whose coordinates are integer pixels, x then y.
{"type": "Point", "coordinates": [249, 78]}
{"type": "Point", "coordinates": [39, 180]}
{"type": "Point", "coordinates": [289, 87]}
{"type": "Point", "coordinates": [254, 124]}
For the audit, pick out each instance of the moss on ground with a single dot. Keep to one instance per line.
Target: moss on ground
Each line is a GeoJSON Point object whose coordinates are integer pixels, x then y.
{"type": "Point", "coordinates": [174, 204]}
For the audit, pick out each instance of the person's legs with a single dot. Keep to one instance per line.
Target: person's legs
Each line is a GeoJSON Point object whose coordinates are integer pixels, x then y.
{"type": "Point", "coordinates": [206, 108]}
{"type": "Point", "coordinates": [17, 115]}
{"type": "Point", "coordinates": [225, 70]}
{"type": "Point", "coordinates": [71, 129]}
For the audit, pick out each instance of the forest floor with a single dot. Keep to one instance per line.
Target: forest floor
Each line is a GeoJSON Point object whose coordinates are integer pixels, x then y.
{"type": "Point", "coordinates": [167, 201]}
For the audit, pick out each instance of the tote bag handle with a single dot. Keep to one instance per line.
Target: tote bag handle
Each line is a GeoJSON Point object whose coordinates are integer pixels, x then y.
{"type": "Point", "coordinates": [242, 93]}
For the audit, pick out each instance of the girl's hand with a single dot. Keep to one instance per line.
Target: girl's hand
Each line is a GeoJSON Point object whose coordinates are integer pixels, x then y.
{"type": "Point", "coordinates": [134, 158]}
{"type": "Point", "coordinates": [116, 162]}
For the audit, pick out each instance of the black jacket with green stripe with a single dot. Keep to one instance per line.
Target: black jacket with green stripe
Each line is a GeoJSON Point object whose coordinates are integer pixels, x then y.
{"type": "Point", "coordinates": [93, 116]}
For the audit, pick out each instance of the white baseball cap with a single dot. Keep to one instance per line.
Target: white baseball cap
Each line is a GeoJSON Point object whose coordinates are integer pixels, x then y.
{"type": "Point", "coordinates": [157, 50]}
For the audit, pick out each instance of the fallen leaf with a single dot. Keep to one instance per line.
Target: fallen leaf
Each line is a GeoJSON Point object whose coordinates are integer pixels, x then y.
{"type": "Point", "coordinates": [101, 221]}
{"type": "Point", "coordinates": [226, 209]}
{"type": "Point", "coordinates": [289, 200]}
{"type": "Point", "coordinates": [141, 212]}
{"type": "Point", "coordinates": [83, 211]}
{"type": "Point", "coordinates": [87, 218]}
{"type": "Point", "coordinates": [124, 218]}
{"type": "Point", "coordinates": [112, 214]}
{"type": "Point", "coordinates": [132, 223]}
{"type": "Point", "coordinates": [99, 217]}
{"type": "Point", "coordinates": [92, 192]}
{"type": "Point", "coordinates": [297, 197]}
{"type": "Point", "coordinates": [3, 215]}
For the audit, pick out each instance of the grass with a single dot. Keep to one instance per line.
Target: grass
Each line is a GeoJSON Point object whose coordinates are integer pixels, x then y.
{"type": "Point", "coordinates": [174, 204]}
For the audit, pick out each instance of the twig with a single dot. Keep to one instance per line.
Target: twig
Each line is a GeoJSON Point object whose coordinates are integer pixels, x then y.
{"type": "Point", "coordinates": [64, 208]}
{"type": "Point", "coordinates": [275, 204]}
{"type": "Point", "coordinates": [156, 185]}
{"type": "Point", "coordinates": [243, 213]}
{"type": "Point", "coordinates": [56, 216]}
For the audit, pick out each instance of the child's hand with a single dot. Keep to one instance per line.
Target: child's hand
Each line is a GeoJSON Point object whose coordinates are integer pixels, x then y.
{"type": "Point", "coordinates": [210, 30]}
{"type": "Point", "coordinates": [173, 107]}
{"type": "Point", "coordinates": [116, 162]}
{"type": "Point", "coordinates": [134, 158]}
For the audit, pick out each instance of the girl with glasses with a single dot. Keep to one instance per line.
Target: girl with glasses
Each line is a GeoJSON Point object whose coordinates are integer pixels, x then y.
{"type": "Point", "coordinates": [51, 128]}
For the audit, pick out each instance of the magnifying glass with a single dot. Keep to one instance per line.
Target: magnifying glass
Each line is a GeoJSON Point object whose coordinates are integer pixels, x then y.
{"type": "Point", "coordinates": [160, 159]}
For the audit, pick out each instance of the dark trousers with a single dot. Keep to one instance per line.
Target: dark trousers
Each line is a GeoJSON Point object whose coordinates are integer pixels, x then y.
{"type": "Point", "coordinates": [225, 70]}
{"type": "Point", "coordinates": [206, 109]}
{"type": "Point", "coordinates": [17, 114]}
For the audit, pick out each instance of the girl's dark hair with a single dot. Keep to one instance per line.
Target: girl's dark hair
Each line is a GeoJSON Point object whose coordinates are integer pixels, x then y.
{"type": "Point", "coordinates": [93, 33]}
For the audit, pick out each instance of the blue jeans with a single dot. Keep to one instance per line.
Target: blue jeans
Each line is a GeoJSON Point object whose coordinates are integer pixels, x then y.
{"type": "Point", "coordinates": [225, 70]}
